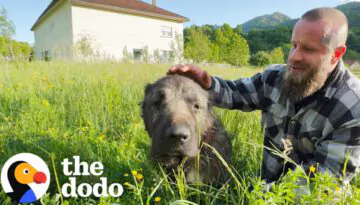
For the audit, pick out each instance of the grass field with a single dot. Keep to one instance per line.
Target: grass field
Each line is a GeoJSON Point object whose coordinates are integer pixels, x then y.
{"type": "Point", "coordinates": [58, 110]}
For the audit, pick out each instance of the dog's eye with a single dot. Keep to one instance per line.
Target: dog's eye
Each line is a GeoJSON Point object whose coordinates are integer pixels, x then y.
{"type": "Point", "coordinates": [196, 106]}
{"type": "Point", "coordinates": [157, 103]}
{"type": "Point", "coordinates": [159, 97]}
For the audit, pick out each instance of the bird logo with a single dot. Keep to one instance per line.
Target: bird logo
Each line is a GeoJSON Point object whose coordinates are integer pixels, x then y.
{"type": "Point", "coordinates": [25, 177]}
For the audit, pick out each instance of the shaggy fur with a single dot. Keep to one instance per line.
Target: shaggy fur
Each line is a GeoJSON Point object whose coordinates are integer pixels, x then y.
{"type": "Point", "coordinates": [175, 111]}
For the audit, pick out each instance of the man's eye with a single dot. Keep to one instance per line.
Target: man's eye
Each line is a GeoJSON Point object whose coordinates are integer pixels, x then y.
{"type": "Point", "coordinates": [309, 49]}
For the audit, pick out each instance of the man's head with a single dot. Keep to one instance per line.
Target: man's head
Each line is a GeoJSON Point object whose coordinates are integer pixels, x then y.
{"type": "Point", "coordinates": [318, 43]}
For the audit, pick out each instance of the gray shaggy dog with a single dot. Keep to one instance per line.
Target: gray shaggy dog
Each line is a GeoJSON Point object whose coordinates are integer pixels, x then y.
{"type": "Point", "coordinates": [175, 111]}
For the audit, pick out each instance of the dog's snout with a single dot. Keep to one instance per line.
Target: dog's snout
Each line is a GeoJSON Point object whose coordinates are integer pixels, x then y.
{"type": "Point", "coordinates": [181, 133]}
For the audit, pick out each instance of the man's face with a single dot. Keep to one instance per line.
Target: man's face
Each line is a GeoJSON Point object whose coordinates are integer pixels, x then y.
{"type": "Point", "coordinates": [309, 60]}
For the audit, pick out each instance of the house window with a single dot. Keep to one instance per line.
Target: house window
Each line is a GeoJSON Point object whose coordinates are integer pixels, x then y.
{"type": "Point", "coordinates": [137, 53]}
{"type": "Point", "coordinates": [45, 55]}
{"type": "Point", "coordinates": [167, 54]}
{"type": "Point", "coordinates": [166, 31]}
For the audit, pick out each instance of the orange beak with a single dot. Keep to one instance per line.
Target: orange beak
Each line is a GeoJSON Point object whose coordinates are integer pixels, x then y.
{"type": "Point", "coordinates": [39, 177]}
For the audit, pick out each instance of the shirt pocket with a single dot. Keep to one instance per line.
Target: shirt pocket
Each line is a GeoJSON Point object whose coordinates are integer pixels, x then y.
{"type": "Point", "coordinates": [273, 120]}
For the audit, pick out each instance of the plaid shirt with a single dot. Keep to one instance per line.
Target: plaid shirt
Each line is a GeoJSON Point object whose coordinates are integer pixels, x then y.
{"type": "Point", "coordinates": [323, 130]}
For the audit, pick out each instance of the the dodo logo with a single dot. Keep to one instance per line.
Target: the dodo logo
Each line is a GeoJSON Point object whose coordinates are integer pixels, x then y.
{"type": "Point", "coordinates": [25, 177]}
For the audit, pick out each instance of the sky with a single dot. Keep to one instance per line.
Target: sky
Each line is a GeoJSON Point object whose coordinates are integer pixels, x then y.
{"type": "Point", "coordinates": [24, 13]}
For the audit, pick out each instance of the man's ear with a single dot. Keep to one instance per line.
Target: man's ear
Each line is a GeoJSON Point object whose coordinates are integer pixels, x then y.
{"type": "Point", "coordinates": [339, 52]}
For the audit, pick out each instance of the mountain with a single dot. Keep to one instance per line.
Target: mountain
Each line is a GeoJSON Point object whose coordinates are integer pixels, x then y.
{"type": "Point", "coordinates": [265, 22]}
{"type": "Point", "coordinates": [351, 10]}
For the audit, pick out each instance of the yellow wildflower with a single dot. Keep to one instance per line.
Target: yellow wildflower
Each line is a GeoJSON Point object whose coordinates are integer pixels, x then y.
{"type": "Point", "coordinates": [51, 130]}
{"type": "Point", "coordinates": [312, 169]}
{"type": "Point", "coordinates": [45, 103]}
{"type": "Point", "coordinates": [102, 137]}
{"type": "Point", "coordinates": [45, 78]}
{"type": "Point", "coordinates": [139, 177]}
{"type": "Point", "coordinates": [134, 172]}
{"type": "Point", "coordinates": [157, 199]}
{"type": "Point", "coordinates": [337, 189]}
{"type": "Point", "coordinates": [126, 175]}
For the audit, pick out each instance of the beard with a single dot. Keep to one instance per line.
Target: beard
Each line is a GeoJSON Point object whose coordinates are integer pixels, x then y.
{"type": "Point", "coordinates": [299, 85]}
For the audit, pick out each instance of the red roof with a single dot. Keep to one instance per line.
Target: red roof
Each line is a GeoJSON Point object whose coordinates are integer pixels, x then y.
{"type": "Point", "coordinates": [128, 6]}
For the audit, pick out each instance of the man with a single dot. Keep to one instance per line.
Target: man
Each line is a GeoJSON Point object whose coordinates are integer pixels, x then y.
{"type": "Point", "coordinates": [310, 107]}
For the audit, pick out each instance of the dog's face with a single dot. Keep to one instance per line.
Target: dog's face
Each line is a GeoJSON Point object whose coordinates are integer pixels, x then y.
{"type": "Point", "coordinates": [175, 112]}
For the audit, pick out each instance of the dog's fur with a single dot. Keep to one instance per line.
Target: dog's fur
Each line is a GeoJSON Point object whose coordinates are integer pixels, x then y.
{"type": "Point", "coordinates": [175, 111]}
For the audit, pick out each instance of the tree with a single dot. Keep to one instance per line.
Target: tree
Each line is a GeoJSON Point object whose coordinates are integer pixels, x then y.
{"type": "Point", "coordinates": [7, 30]}
{"type": "Point", "coordinates": [286, 50]}
{"type": "Point", "coordinates": [277, 56]}
{"type": "Point", "coordinates": [127, 56]}
{"type": "Point", "coordinates": [260, 59]}
{"type": "Point", "coordinates": [238, 51]}
{"type": "Point", "coordinates": [177, 47]}
{"type": "Point", "coordinates": [198, 47]}
{"type": "Point", "coordinates": [352, 55]}
{"type": "Point", "coordinates": [221, 41]}
{"type": "Point", "coordinates": [238, 29]}
{"type": "Point", "coordinates": [7, 27]}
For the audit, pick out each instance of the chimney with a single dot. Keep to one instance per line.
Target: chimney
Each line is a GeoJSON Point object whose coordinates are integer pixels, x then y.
{"type": "Point", "coordinates": [154, 2]}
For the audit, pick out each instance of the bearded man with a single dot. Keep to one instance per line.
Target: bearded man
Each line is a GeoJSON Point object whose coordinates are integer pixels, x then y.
{"type": "Point", "coordinates": [310, 107]}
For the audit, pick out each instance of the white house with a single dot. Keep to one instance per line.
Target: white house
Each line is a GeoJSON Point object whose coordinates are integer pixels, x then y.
{"type": "Point", "coordinates": [115, 29]}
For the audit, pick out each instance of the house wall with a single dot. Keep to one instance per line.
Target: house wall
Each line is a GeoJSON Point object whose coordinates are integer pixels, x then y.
{"type": "Point", "coordinates": [108, 32]}
{"type": "Point", "coordinates": [54, 33]}
{"type": "Point", "coordinates": [355, 66]}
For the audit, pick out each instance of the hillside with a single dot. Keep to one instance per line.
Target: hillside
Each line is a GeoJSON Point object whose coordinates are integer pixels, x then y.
{"type": "Point", "coordinates": [351, 10]}
{"type": "Point", "coordinates": [265, 22]}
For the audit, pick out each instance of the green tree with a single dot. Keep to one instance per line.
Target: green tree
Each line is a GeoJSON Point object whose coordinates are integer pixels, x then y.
{"type": "Point", "coordinates": [352, 55]}
{"type": "Point", "coordinates": [214, 55]}
{"type": "Point", "coordinates": [238, 29]}
{"type": "Point", "coordinates": [7, 31]}
{"type": "Point", "coordinates": [260, 59]}
{"type": "Point", "coordinates": [221, 41]}
{"type": "Point", "coordinates": [238, 51]}
{"type": "Point", "coordinates": [198, 47]}
{"type": "Point", "coordinates": [286, 49]}
{"type": "Point", "coordinates": [277, 56]}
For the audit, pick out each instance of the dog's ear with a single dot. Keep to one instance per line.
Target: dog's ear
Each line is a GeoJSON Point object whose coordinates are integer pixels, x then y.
{"type": "Point", "coordinates": [148, 88]}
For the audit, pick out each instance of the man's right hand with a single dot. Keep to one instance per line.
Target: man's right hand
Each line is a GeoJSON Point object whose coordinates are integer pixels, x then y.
{"type": "Point", "coordinates": [193, 72]}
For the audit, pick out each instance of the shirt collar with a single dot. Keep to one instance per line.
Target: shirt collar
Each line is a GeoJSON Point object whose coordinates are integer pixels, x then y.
{"type": "Point", "coordinates": [334, 80]}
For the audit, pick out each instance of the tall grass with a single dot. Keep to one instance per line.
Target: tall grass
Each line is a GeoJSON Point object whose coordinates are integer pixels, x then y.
{"type": "Point", "coordinates": [57, 110]}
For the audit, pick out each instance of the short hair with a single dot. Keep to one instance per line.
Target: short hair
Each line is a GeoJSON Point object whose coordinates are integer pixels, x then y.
{"type": "Point", "coordinates": [338, 34]}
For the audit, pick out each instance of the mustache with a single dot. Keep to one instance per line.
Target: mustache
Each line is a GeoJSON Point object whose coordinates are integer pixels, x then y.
{"type": "Point", "coordinates": [297, 64]}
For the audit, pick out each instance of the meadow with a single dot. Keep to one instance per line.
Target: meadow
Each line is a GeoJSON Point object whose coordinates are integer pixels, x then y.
{"type": "Point", "coordinates": [58, 110]}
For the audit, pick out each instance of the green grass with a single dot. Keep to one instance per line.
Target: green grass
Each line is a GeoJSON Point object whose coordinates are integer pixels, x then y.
{"type": "Point", "coordinates": [57, 110]}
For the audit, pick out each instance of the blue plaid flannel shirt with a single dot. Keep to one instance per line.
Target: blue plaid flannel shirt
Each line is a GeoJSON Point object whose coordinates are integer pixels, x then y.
{"type": "Point", "coordinates": [322, 133]}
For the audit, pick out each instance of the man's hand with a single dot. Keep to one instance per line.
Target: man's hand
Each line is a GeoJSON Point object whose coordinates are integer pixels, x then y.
{"type": "Point", "coordinates": [193, 72]}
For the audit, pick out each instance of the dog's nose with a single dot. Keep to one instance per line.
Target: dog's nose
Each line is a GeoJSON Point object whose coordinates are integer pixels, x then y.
{"type": "Point", "coordinates": [179, 132]}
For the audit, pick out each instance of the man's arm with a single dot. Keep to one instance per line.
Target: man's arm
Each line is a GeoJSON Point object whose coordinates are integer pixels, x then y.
{"type": "Point", "coordinates": [246, 94]}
